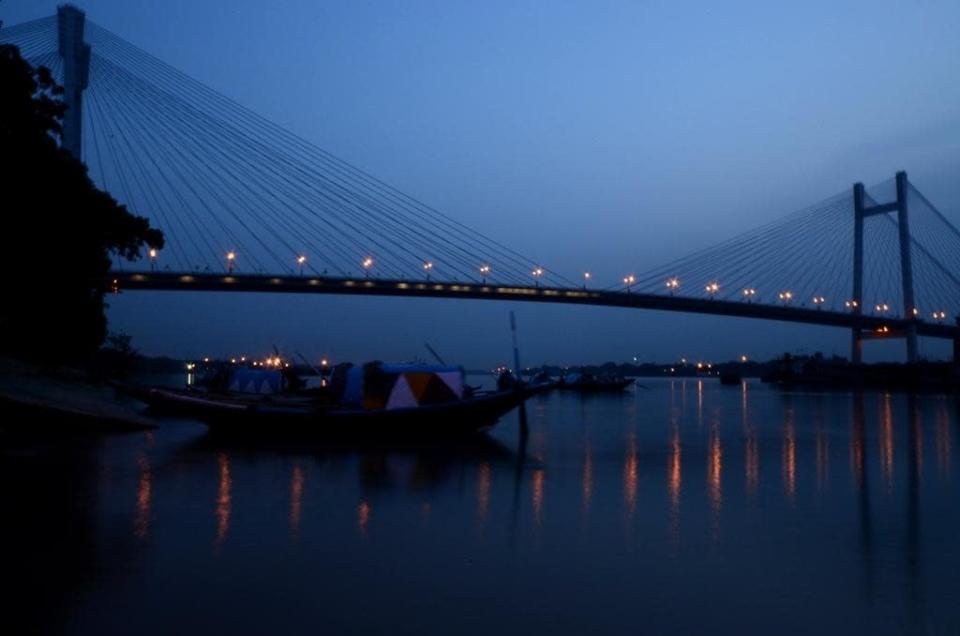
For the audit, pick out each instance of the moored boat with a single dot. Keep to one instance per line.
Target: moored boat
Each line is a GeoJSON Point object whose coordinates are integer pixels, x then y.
{"type": "Point", "coordinates": [376, 398]}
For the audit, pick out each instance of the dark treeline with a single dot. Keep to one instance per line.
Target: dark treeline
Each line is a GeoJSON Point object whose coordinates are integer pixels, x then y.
{"type": "Point", "coordinates": [60, 232]}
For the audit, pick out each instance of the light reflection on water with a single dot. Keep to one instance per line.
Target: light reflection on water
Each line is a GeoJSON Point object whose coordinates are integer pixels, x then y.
{"type": "Point", "coordinates": [650, 502]}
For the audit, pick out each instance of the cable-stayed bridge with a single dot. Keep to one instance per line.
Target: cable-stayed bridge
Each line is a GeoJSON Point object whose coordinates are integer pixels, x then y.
{"type": "Point", "coordinates": [248, 206]}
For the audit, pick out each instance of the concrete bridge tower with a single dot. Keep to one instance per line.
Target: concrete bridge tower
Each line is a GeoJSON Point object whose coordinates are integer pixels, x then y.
{"type": "Point", "coordinates": [861, 212]}
{"type": "Point", "coordinates": [76, 71]}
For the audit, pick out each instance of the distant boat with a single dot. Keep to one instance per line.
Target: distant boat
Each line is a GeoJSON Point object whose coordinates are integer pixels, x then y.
{"type": "Point", "coordinates": [730, 378]}
{"type": "Point", "coordinates": [377, 398]}
{"type": "Point", "coordinates": [589, 383]}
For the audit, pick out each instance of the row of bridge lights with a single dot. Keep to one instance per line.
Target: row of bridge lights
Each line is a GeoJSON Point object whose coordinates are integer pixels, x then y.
{"type": "Point", "coordinates": [786, 296]}
{"type": "Point", "coordinates": [672, 284]}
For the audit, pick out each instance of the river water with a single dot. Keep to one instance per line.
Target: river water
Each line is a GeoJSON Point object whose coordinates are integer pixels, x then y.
{"type": "Point", "coordinates": [681, 507]}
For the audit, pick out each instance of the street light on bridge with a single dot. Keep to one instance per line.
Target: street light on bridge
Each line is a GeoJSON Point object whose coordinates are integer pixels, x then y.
{"type": "Point", "coordinates": [153, 258]}
{"type": "Point", "coordinates": [882, 308]}
{"type": "Point", "coordinates": [785, 296]}
{"type": "Point", "coordinates": [586, 279]}
{"type": "Point", "coordinates": [712, 288]}
{"type": "Point", "coordinates": [818, 301]}
{"type": "Point", "coordinates": [300, 261]}
{"type": "Point", "coordinates": [749, 294]}
{"type": "Point", "coordinates": [628, 281]}
{"type": "Point", "coordinates": [231, 258]}
{"type": "Point", "coordinates": [427, 268]}
{"type": "Point", "coordinates": [939, 316]}
{"type": "Point", "coordinates": [537, 273]}
{"type": "Point", "coordinates": [367, 264]}
{"type": "Point", "coordinates": [673, 284]}
{"type": "Point", "coordinates": [484, 272]}
{"type": "Point", "coordinates": [851, 304]}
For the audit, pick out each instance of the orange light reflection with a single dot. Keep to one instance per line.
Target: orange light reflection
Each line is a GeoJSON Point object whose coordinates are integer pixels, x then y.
{"type": "Point", "coordinates": [296, 499]}
{"type": "Point", "coordinates": [141, 523]}
{"type": "Point", "coordinates": [223, 499]}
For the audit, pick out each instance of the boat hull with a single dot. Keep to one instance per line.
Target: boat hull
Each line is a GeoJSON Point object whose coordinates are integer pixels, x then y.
{"type": "Point", "coordinates": [282, 416]}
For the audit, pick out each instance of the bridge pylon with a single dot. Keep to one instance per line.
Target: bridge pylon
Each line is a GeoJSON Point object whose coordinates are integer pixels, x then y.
{"type": "Point", "coordinates": [861, 212]}
{"type": "Point", "coordinates": [76, 72]}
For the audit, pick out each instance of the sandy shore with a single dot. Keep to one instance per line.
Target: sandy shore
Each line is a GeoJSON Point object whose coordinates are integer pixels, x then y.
{"type": "Point", "coordinates": [31, 397]}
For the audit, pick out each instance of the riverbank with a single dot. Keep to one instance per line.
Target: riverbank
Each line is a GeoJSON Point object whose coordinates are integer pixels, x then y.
{"type": "Point", "coordinates": [37, 399]}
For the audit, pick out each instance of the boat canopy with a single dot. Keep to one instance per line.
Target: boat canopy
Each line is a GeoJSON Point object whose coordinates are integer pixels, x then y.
{"type": "Point", "coordinates": [396, 386]}
{"type": "Point", "coordinates": [260, 381]}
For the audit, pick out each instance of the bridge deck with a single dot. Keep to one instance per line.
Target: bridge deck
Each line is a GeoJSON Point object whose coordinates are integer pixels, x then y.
{"type": "Point", "coordinates": [174, 281]}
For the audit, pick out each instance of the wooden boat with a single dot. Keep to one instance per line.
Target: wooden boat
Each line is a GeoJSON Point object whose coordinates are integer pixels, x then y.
{"type": "Point", "coordinates": [228, 413]}
{"type": "Point", "coordinates": [383, 399]}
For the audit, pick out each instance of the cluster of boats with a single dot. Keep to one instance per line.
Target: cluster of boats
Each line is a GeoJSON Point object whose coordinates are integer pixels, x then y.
{"type": "Point", "coordinates": [585, 382]}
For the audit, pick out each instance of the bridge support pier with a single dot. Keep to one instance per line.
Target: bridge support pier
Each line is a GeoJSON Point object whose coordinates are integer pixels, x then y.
{"type": "Point", "coordinates": [906, 267]}
{"type": "Point", "coordinates": [76, 71]}
{"type": "Point", "coordinates": [861, 212]}
{"type": "Point", "coordinates": [856, 345]}
{"type": "Point", "coordinates": [956, 345]}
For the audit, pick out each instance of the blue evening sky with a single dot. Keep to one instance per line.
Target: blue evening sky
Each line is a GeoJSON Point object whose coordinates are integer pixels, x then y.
{"type": "Point", "coordinates": [610, 136]}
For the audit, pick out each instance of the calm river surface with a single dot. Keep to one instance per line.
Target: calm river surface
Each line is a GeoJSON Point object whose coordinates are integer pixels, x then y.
{"type": "Point", "coordinates": [684, 507]}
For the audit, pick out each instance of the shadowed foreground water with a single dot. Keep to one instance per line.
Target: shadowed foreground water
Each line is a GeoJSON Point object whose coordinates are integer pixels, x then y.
{"type": "Point", "coordinates": [682, 507]}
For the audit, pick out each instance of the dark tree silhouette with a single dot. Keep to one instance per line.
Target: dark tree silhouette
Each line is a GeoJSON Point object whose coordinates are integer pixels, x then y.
{"type": "Point", "coordinates": [60, 231]}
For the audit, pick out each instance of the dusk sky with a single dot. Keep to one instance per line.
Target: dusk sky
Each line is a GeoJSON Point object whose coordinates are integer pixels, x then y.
{"type": "Point", "coordinates": [608, 136]}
